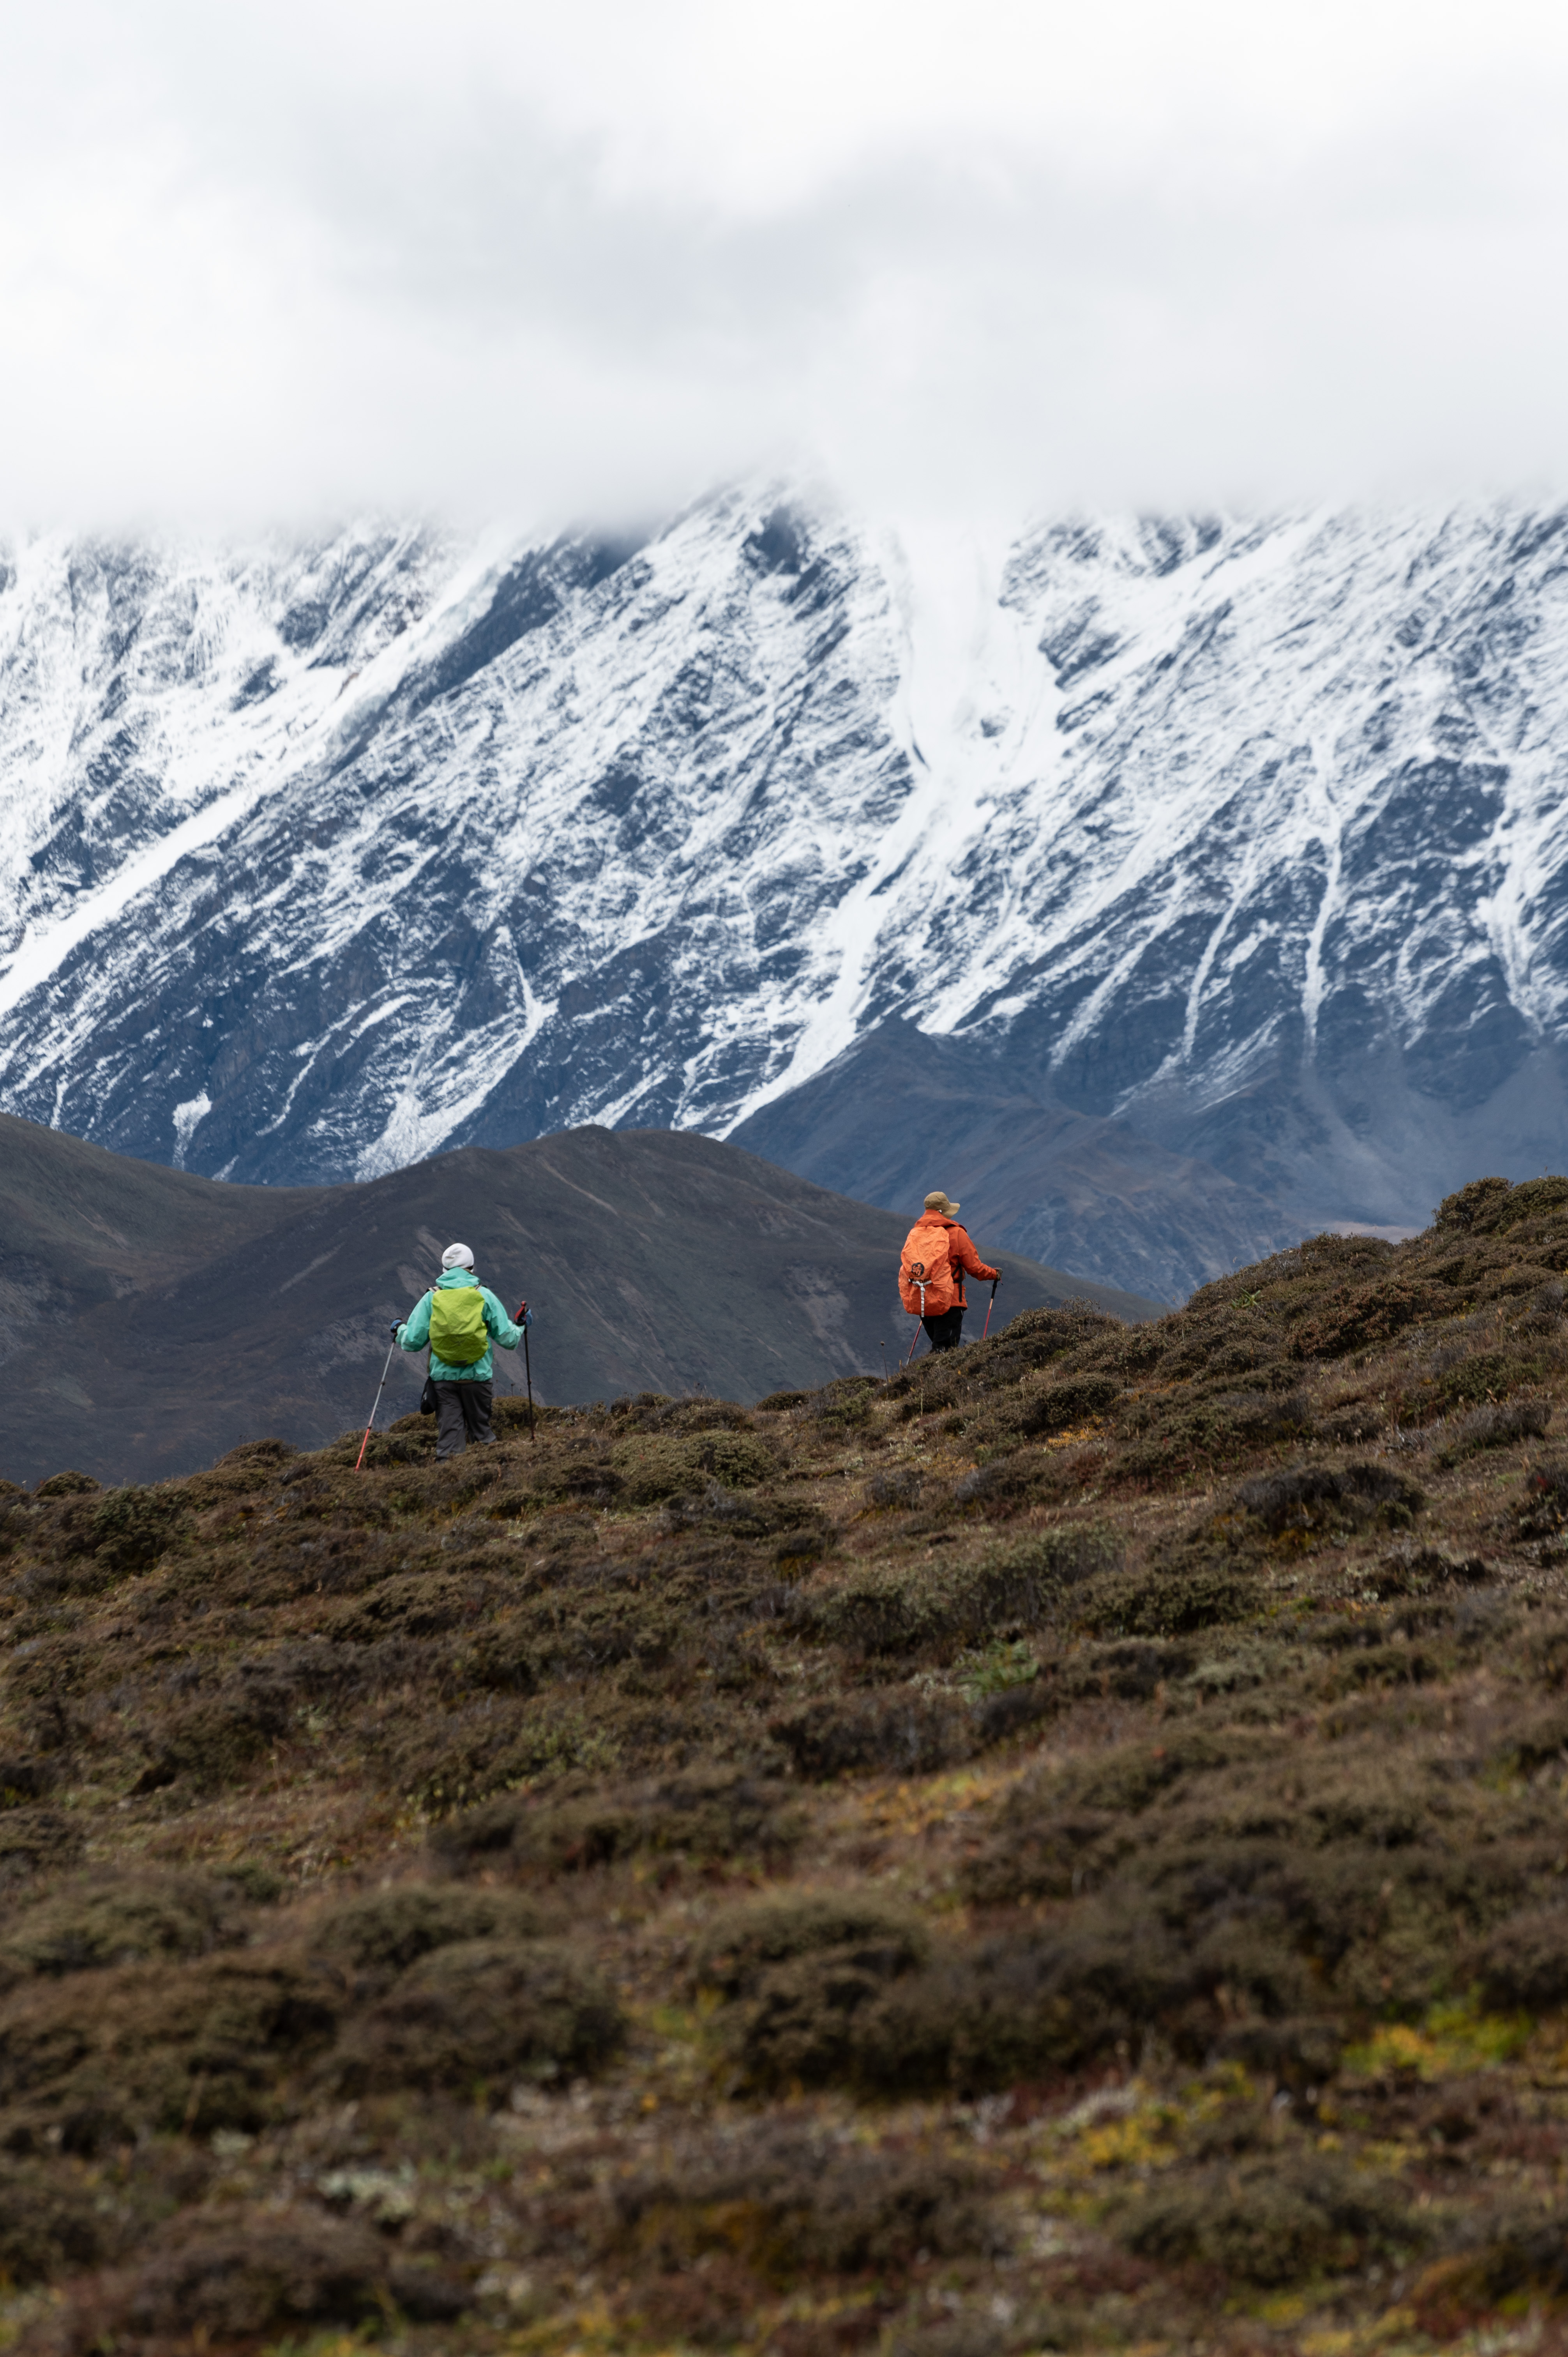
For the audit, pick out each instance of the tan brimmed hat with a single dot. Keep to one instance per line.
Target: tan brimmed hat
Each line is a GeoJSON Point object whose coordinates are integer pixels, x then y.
{"type": "Point", "coordinates": [939, 1202]}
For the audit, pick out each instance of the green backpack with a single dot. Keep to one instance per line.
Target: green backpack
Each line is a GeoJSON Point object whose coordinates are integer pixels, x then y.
{"type": "Point", "coordinates": [458, 1335]}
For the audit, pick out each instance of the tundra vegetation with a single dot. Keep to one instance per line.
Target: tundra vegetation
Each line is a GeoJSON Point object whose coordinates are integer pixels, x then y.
{"type": "Point", "coordinates": [1063, 1850]}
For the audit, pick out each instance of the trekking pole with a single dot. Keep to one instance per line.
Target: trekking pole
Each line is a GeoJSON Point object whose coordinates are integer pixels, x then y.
{"type": "Point", "coordinates": [989, 1308]}
{"type": "Point", "coordinates": [528, 1365]}
{"type": "Point", "coordinates": [917, 1277]}
{"type": "Point", "coordinates": [380, 1389]}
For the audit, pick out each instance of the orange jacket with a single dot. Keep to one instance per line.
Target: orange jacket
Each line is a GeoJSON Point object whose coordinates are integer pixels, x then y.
{"type": "Point", "coordinates": [960, 1256]}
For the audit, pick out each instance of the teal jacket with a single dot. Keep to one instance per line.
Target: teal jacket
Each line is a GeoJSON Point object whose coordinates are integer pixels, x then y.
{"type": "Point", "coordinates": [415, 1333]}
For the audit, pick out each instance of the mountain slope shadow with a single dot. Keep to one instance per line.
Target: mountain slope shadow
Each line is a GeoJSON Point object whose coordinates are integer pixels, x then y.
{"type": "Point", "coordinates": [212, 1314]}
{"type": "Point", "coordinates": [1038, 1176]}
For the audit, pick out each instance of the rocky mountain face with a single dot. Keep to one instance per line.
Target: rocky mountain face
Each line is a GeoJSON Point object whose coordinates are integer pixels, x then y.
{"type": "Point", "coordinates": [1236, 850]}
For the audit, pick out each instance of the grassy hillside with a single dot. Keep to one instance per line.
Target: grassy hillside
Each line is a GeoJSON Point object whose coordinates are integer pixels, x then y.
{"type": "Point", "coordinates": [1063, 1851]}
{"type": "Point", "coordinates": [155, 1318]}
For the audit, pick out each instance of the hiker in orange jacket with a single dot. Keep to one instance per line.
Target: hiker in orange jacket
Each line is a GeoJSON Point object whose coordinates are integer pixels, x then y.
{"type": "Point", "coordinates": [937, 1254]}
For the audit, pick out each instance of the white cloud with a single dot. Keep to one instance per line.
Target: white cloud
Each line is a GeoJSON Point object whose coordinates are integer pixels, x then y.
{"type": "Point", "coordinates": [263, 259]}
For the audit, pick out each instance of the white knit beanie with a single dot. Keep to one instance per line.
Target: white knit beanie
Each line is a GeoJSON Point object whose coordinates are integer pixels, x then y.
{"type": "Point", "coordinates": [456, 1256]}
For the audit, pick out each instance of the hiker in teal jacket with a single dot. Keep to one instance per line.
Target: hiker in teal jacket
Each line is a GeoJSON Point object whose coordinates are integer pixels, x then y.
{"type": "Point", "coordinates": [463, 1384]}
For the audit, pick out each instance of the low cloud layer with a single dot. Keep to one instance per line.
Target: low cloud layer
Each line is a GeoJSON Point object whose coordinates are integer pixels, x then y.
{"type": "Point", "coordinates": [260, 262]}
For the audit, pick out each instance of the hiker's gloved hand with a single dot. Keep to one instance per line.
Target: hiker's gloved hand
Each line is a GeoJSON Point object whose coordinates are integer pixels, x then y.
{"type": "Point", "coordinates": [397, 1330]}
{"type": "Point", "coordinates": [527, 1319]}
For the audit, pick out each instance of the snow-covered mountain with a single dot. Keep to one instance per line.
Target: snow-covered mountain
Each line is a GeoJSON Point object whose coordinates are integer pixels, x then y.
{"type": "Point", "coordinates": [1249, 835]}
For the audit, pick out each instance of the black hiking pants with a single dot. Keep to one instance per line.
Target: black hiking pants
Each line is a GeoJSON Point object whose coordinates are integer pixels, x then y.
{"type": "Point", "coordinates": [463, 1414]}
{"type": "Point", "coordinates": [946, 1331]}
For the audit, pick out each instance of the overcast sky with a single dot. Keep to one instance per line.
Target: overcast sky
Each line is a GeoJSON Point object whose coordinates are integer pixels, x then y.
{"type": "Point", "coordinates": [509, 259]}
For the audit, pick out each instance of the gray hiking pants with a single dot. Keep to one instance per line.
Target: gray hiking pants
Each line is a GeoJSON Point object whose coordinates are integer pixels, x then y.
{"type": "Point", "coordinates": [463, 1414]}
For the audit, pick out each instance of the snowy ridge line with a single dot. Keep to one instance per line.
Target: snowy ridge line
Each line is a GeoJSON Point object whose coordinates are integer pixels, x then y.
{"type": "Point", "coordinates": [1251, 832]}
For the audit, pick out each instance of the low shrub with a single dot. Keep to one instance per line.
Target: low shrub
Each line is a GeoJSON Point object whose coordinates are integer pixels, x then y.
{"type": "Point", "coordinates": [1353, 1421]}
{"type": "Point", "coordinates": [409, 1604]}
{"type": "Point", "coordinates": [895, 1731]}
{"type": "Point", "coordinates": [1256, 1417]}
{"type": "Point", "coordinates": [584, 1481]}
{"type": "Point", "coordinates": [48, 2226]}
{"type": "Point", "coordinates": [134, 1528]}
{"type": "Point", "coordinates": [744, 1943]}
{"type": "Point", "coordinates": [1535, 1739]}
{"type": "Point", "coordinates": [701, 1414]}
{"type": "Point", "coordinates": [33, 1839]}
{"type": "Point", "coordinates": [1272, 2220]}
{"type": "Point", "coordinates": [1021, 2007]}
{"type": "Point", "coordinates": [1034, 1336]}
{"type": "Point", "coordinates": [1021, 1581]}
{"type": "Point", "coordinates": [1524, 2254]}
{"type": "Point", "coordinates": [1012, 1712]}
{"type": "Point", "coordinates": [789, 2204]}
{"type": "Point", "coordinates": [1331, 1859]}
{"type": "Point", "coordinates": [743, 1514]}
{"type": "Point", "coordinates": [1508, 1285]}
{"type": "Point", "coordinates": [1166, 1435]}
{"type": "Point", "coordinates": [213, 1743]}
{"type": "Point", "coordinates": [1368, 1317]}
{"type": "Point", "coordinates": [996, 1668]}
{"type": "Point", "coordinates": [68, 1484]}
{"type": "Point", "coordinates": [1316, 1499]}
{"type": "Point", "coordinates": [709, 1814]}
{"type": "Point", "coordinates": [490, 1744]}
{"type": "Point", "coordinates": [632, 1407]}
{"type": "Point", "coordinates": [116, 1919]}
{"type": "Point", "coordinates": [1133, 1670]}
{"type": "Point", "coordinates": [1475, 1210]}
{"type": "Point", "coordinates": [979, 2331]}
{"type": "Point", "coordinates": [1061, 1830]}
{"type": "Point", "coordinates": [101, 2059]}
{"type": "Point", "coordinates": [1522, 1964]}
{"type": "Point", "coordinates": [899, 1488]}
{"type": "Point", "coordinates": [387, 1449]}
{"type": "Point", "coordinates": [1496, 1428]}
{"type": "Point", "coordinates": [262, 1453]}
{"type": "Point", "coordinates": [1168, 1598]}
{"type": "Point", "coordinates": [380, 1933]}
{"type": "Point", "coordinates": [1422, 1570]}
{"type": "Point", "coordinates": [1301, 2054]}
{"type": "Point", "coordinates": [1011, 1480]}
{"type": "Point", "coordinates": [23, 1779]}
{"type": "Point", "coordinates": [847, 1403]}
{"type": "Point", "coordinates": [1060, 1405]}
{"type": "Point", "coordinates": [227, 2278]}
{"type": "Point", "coordinates": [1484, 1377]}
{"type": "Point", "coordinates": [801, 2025]}
{"type": "Point", "coordinates": [652, 1466]}
{"type": "Point", "coordinates": [472, 2017]}
{"type": "Point", "coordinates": [1542, 1511]}
{"type": "Point", "coordinates": [1532, 1199]}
